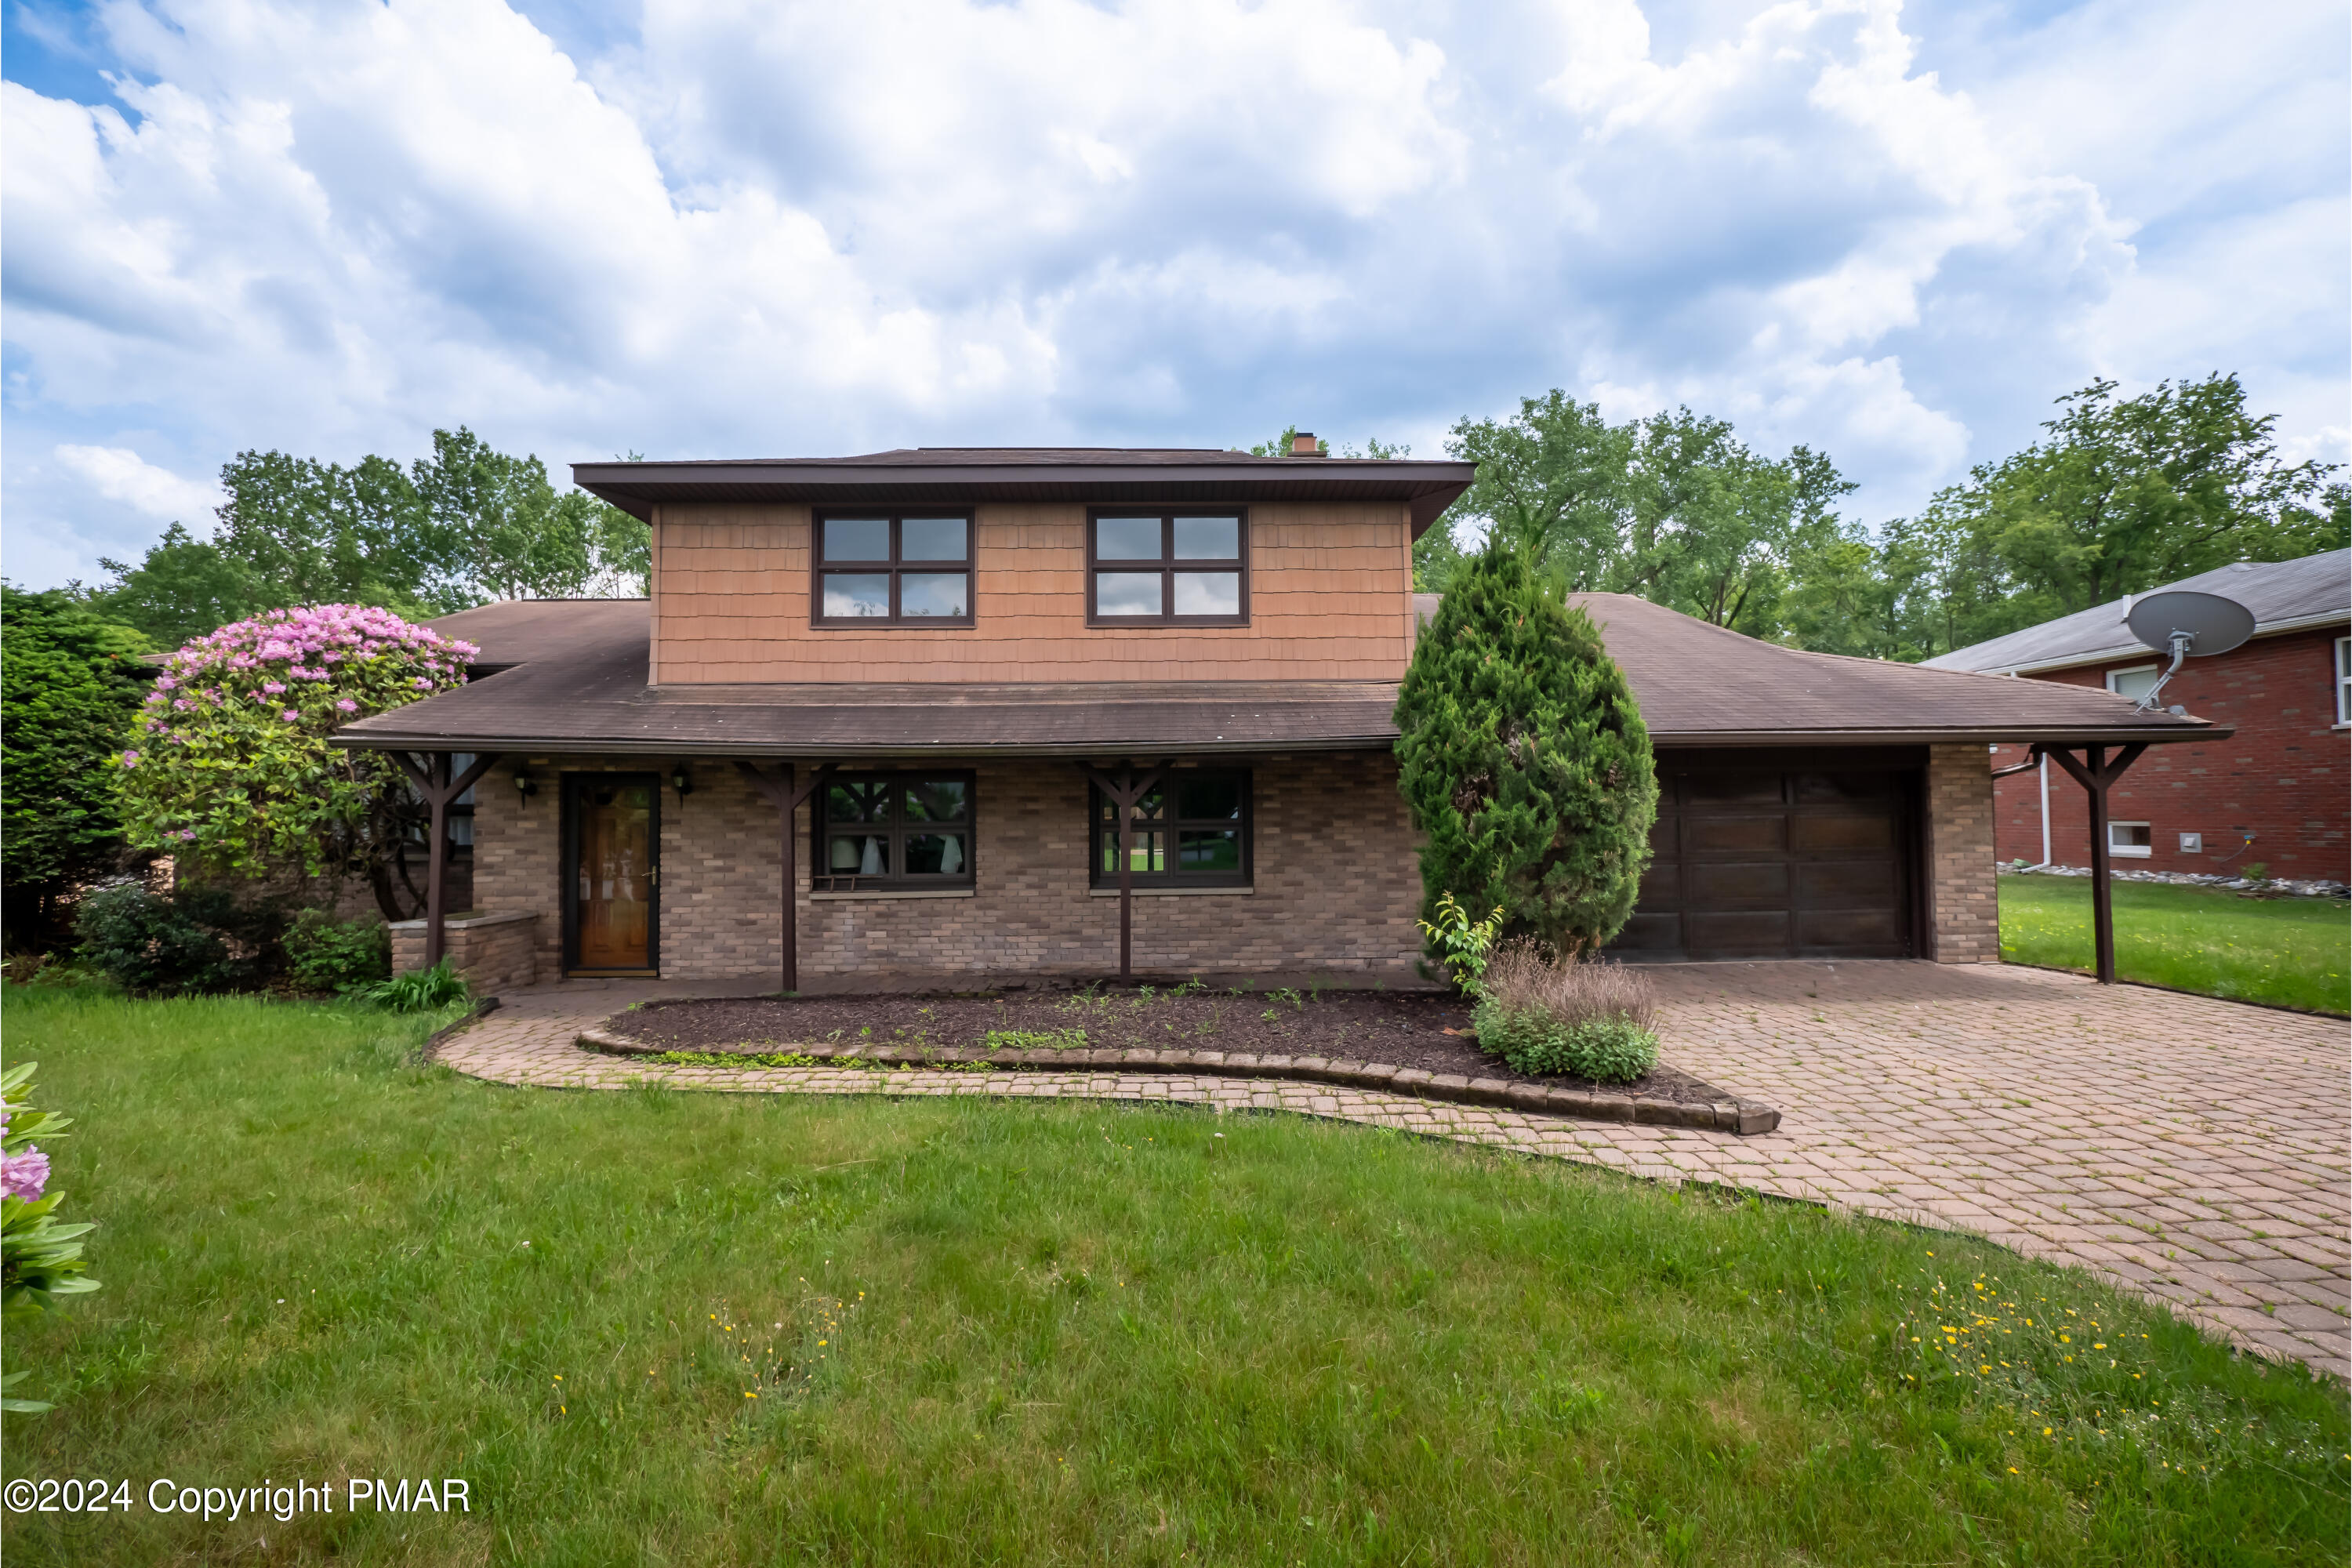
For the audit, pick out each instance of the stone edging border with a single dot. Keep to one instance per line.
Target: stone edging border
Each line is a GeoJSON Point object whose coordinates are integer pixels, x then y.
{"type": "Point", "coordinates": [1740, 1116]}
{"type": "Point", "coordinates": [482, 1007]}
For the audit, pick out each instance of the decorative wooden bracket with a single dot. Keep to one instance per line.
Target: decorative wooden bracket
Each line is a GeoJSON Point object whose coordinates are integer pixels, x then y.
{"type": "Point", "coordinates": [440, 791]}
{"type": "Point", "coordinates": [787, 800]}
{"type": "Point", "coordinates": [2097, 774]}
{"type": "Point", "coordinates": [1124, 790]}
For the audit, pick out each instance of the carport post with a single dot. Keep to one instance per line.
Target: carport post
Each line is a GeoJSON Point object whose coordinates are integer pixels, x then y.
{"type": "Point", "coordinates": [2096, 776]}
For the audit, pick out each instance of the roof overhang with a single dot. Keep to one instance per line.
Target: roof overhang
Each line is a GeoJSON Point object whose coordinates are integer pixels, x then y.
{"type": "Point", "coordinates": [2027, 735]}
{"type": "Point", "coordinates": [1427, 488]}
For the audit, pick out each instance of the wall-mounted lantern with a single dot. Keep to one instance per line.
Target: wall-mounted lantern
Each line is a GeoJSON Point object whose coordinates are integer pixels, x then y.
{"type": "Point", "coordinates": [682, 780]}
{"type": "Point", "coordinates": [525, 787]}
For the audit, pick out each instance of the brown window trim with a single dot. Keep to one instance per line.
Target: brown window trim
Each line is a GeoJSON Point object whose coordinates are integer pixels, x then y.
{"type": "Point", "coordinates": [822, 879]}
{"type": "Point", "coordinates": [894, 568]}
{"type": "Point", "coordinates": [1168, 566]}
{"type": "Point", "coordinates": [1102, 835]}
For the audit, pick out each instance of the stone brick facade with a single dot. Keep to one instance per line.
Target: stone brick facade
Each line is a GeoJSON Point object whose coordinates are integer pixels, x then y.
{"type": "Point", "coordinates": [2285, 779]}
{"type": "Point", "coordinates": [1336, 882]}
{"type": "Point", "coordinates": [1963, 903]}
{"type": "Point", "coordinates": [493, 950]}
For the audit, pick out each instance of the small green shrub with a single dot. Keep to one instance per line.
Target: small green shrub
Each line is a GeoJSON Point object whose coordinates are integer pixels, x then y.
{"type": "Point", "coordinates": [325, 954]}
{"type": "Point", "coordinates": [419, 990]}
{"type": "Point", "coordinates": [2255, 871]}
{"type": "Point", "coordinates": [1461, 944]}
{"type": "Point", "coordinates": [195, 941]}
{"type": "Point", "coordinates": [40, 1259]}
{"type": "Point", "coordinates": [1035, 1039]}
{"type": "Point", "coordinates": [1547, 1016]}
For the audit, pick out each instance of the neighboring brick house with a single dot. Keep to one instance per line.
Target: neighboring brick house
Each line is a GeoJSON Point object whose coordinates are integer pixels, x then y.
{"type": "Point", "coordinates": [2277, 792]}
{"type": "Point", "coordinates": [953, 662]}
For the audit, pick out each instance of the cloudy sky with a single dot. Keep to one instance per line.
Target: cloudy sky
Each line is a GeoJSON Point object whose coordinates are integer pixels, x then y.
{"type": "Point", "coordinates": [704, 228]}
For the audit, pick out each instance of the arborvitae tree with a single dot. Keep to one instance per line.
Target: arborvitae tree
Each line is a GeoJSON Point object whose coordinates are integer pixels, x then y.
{"type": "Point", "coordinates": [1525, 759]}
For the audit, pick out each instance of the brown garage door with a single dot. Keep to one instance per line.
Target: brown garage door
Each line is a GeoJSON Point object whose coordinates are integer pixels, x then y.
{"type": "Point", "coordinates": [1776, 863]}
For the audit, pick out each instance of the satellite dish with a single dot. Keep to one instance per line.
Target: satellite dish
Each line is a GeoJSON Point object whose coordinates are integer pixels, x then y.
{"type": "Point", "coordinates": [2211, 623]}
{"type": "Point", "coordinates": [2187, 625]}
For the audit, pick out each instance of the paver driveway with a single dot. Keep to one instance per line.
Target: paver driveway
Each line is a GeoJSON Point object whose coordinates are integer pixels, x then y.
{"type": "Point", "coordinates": [2193, 1149]}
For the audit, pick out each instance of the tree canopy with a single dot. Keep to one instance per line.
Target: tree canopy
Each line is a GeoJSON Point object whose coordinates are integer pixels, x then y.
{"type": "Point", "coordinates": [463, 527]}
{"type": "Point", "coordinates": [70, 684]}
{"type": "Point", "coordinates": [2122, 494]}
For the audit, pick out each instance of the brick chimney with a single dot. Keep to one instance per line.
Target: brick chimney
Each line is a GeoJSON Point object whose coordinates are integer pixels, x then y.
{"type": "Point", "coordinates": [1302, 445]}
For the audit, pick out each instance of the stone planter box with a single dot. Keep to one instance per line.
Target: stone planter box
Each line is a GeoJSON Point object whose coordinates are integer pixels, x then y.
{"type": "Point", "coordinates": [494, 952]}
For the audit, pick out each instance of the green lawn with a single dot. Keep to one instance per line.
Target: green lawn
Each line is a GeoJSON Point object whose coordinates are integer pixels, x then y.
{"type": "Point", "coordinates": [2293, 951]}
{"type": "Point", "coordinates": [1056, 1332]}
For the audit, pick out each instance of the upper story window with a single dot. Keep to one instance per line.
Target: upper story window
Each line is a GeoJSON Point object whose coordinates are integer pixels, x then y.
{"type": "Point", "coordinates": [897, 569]}
{"type": "Point", "coordinates": [1169, 568]}
{"type": "Point", "coordinates": [2344, 680]}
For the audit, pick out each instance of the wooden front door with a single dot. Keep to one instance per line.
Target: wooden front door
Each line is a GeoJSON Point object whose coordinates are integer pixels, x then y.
{"type": "Point", "coordinates": [614, 872]}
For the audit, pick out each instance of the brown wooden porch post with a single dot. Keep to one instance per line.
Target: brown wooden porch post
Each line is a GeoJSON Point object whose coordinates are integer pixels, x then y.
{"type": "Point", "coordinates": [1124, 792]}
{"type": "Point", "coordinates": [1127, 874]}
{"type": "Point", "coordinates": [437, 858]}
{"type": "Point", "coordinates": [439, 790]}
{"type": "Point", "coordinates": [2096, 776]}
{"type": "Point", "coordinates": [787, 800]}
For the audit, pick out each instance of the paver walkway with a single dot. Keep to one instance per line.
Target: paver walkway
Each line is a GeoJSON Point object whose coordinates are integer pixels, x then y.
{"type": "Point", "coordinates": [2193, 1149]}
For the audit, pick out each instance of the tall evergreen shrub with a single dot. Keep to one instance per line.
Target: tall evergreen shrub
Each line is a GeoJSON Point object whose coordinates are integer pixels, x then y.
{"type": "Point", "coordinates": [1525, 760]}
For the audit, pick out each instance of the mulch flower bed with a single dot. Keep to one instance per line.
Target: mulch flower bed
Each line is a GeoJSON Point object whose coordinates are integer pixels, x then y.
{"type": "Point", "coordinates": [1400, 1029]}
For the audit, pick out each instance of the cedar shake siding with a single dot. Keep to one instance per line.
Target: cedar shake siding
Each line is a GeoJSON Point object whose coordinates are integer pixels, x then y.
{"type": "Point", "coordinates": [1329, 598]}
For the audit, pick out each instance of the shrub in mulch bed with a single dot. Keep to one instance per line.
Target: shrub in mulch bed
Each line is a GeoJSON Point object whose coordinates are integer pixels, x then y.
{"type": "Point", "coordinates": [1543, 1013]}
{"type": "Point", "coordinates": [1400, 1029]}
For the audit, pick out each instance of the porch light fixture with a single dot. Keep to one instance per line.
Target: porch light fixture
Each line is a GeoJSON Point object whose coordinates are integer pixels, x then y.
{"type": "Point", "coordinates": [682, 780]}
{"type": "Point", "coordinates": [525, 786]}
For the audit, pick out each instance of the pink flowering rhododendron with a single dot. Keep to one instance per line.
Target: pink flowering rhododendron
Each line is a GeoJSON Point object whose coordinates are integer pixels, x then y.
{"type": "Point", "coordinates": [24, 1175]}
{"type": "Point", "coordinates": [252, 782]}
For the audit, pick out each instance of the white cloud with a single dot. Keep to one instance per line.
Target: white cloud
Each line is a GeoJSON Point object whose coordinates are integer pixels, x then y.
{"type": "Point", "coordinates": [746, 227]}
{"type": "Point", "coordinates": [119, 474]}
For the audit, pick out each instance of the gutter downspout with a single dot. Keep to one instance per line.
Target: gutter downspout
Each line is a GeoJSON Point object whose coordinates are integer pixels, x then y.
{"type": "Point", "coordinates": [2045, 809]}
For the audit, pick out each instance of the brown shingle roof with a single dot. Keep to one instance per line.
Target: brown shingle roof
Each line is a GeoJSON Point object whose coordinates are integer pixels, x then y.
{"type": "Point", "coordinates": [943, 475]}
{"type": "Point", "coordinates": [585, 690]}
{"type": "Point", "coordinates": [1701, 685]}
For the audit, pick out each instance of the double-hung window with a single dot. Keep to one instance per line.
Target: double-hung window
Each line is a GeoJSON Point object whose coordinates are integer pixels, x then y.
{"type": "Point", "coordinates": [2344, 680]}
{"type": "Point", "coordinates": [1169, 568]}
{"type": "Point", "coordinates": [904, 832]}
{"type": "Point", "coordinates": [894, 569]}
{"type": "Point", "coordinates": [1194, 831]}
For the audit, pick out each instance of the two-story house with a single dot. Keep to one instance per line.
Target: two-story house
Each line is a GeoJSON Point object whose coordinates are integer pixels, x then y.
{"type": "Point", "coordinates": [880, 716]}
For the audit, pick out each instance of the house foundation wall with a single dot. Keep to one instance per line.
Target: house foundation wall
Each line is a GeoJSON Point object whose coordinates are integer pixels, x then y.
{"type": "Point", "coordinates": [1336, 882]}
